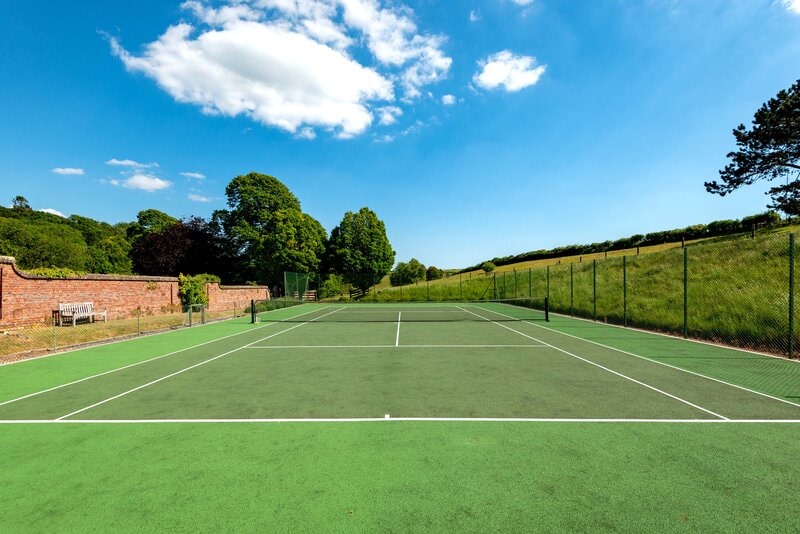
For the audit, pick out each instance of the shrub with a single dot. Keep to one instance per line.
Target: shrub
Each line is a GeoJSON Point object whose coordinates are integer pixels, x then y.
{"type": "Point", "coordinates": [192, 289]}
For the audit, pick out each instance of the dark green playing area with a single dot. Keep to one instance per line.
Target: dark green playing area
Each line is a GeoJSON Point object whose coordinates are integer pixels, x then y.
{"type": "Point", "coordinates": [429, 386]}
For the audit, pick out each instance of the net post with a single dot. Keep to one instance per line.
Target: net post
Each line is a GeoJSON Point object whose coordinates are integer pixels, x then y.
{"type": "Point", "coordinates": [547, 309]}
{"type": "Point", "coordinates": [252, 311]}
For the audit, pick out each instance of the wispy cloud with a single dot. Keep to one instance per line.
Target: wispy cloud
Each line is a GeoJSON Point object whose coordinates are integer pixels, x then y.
{"type": "Point", "coordinates": [198, 198]}
{"type": "Point", "coordinates": [475, 15]}
{"type": "Point", "coordinates": [388, 115]}
{"type": "Point", "coordinates": [508, 71]}
{"type": "Point", "coordinates": [793, 6]}
{"type": "Point", "coordinates": [293, 64]}
{"type": "Point", "coordinates": [67, 171]}
{"type": "Point", "coordinates": [130, 163]}
{"type": "Point", "coordinates": [306, 133]}
{"type": "Point", "coordinates": [523, 2]}
{"type": "Point", "coordinates": [195, 175]}
{"type": "Point", "coordinates": [448, 100]}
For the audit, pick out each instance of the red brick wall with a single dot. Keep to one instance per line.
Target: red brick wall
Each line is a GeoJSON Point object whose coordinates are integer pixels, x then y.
{"type": "Point", "coordinates": [221, 298]}
{"type": "Point", "coordinates": [26, 298]}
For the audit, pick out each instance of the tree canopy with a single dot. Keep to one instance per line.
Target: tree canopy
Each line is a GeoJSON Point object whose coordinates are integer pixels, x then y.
{"type": "Point", "coordinates": [407, 273]}
{"type": "Point", "coordinates": [187, 247]}
{"type": "Point", "coordinates": [359, 249]}
{"type": "Point", "coordinates": [266, 231]}
{"type": "Point", "coordinates": [769, 150]}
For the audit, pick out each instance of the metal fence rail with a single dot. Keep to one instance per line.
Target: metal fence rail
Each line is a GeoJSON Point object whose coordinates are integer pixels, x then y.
{"type": "Point", "coordinates": [22, 341]}
{"type": "Point", "coordinates": [736, 291]}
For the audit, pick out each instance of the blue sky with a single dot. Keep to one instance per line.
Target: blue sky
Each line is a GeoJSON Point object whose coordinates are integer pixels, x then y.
{"type": "Point", "coordinates": [474, 128]}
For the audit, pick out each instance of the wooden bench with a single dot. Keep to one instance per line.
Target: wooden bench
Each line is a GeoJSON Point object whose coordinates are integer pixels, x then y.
{"type": "Point", "coordinates": [73, 312]}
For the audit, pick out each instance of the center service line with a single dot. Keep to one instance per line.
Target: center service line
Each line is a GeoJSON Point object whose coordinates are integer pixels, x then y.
{"type": "Point", "coordinates": [397, 339]}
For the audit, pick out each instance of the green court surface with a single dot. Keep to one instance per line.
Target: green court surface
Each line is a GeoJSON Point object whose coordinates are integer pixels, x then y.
{"type": "Point", "coordinates": [457, 416]}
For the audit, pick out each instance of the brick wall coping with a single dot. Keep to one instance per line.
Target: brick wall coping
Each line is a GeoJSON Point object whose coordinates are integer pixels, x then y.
{"type": "Point", "coordinates": [10, 260]}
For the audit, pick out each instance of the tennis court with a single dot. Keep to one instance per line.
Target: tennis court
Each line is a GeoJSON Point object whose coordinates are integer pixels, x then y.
{"type": "Point", "coordinates": [403, 417]}
{"type": "Point", "coordinates": [456, 361]}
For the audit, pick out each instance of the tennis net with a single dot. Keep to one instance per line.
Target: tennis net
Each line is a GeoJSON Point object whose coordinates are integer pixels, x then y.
{"type": "Point", "coordinates": [527, 309]}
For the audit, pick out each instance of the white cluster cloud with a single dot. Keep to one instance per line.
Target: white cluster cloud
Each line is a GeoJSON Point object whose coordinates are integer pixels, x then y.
{"type": "Point", "coordinates": [509, 71]}
{"type": "Point", "coordinates": [294, 64]}
{"type": "Point", "coordinates": [448, 100]}
{"type": "Point", "coordinates": [138, 178]}
{"type": "Point", "coordinates": [68, 171]}
{"type": "Point", "coordinates": [53, 212]}
{"type": "Point", "coordinates": [793, 6]}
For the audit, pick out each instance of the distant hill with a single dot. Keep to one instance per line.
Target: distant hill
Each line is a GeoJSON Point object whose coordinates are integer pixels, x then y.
{"type": "Point", "coordinates": [694, 232]}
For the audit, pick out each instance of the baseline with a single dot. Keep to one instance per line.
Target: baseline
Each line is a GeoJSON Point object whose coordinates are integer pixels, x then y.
{"type": "Point", "coordinates": [386, 419]}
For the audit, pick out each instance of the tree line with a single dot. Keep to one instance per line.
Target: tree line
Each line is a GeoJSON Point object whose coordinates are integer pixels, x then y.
{"type": "Point", "coordinates": [261, 234]}
{"type": "Point", "coordinates": [696, 231]}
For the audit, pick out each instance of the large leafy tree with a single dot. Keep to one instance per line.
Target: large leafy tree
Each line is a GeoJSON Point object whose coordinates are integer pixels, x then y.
{"type": "Point", "coordinates": [36, 244]}
{"type": "Point", "coordinates": [147, 222]}
{"type": "Point", "coordinates": [407, 273]}
{"type": "Point", "coordinates": [108, 248]}
{"type": "Point", "coordinates": [295, 243]}
{"type": "Point", "coordinates": [187, 247]}
{"type": "Point", "coordinates": [267, 232]}
{"type": "Point", "coordinates": [359, 249]}
{"type": "Point", "coordinates": [769, 150]}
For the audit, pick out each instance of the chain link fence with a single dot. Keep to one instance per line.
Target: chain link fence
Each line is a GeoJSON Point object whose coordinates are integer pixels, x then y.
{"type": "Point", "coordinates": [35, 338]}
{"type": "Point", "coordinates": [734, 291]}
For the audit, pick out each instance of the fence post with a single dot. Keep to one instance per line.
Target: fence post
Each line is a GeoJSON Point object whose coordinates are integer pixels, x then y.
{"type": "Point", "coordinates": [791, 296]}
{"type": "Point", "coordinates": [54, 333]}
{"type": "Point", "coordinates": [252, 311]}
{"type": "Point", "coordinates": [571, 290]}
{"type": "Point", "coordinates": [139, 320]}
{"type": "Point", "coordinates": [548, 282]}
{"type": "Point", "coordinates": [594, 290]}
{"type": "Point", "coordinates": [515, 283]}
{"type": "Point", "coordinates": [530, 284]}
{"type": "Point", "coordinates": [625, 291]}
{"type": "Point", "coordinates": [685, 292]}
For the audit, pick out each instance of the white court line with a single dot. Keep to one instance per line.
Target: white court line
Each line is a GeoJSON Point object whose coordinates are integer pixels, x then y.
{"type": "Point", "coordinates": [397, 338]}
{"type": "Point", "coordinates": [189, 368]}
{"type": "Point", "coordinates": [670, 395]}
{"type": "Point", "coordinates": [397, 419]}
{"type": "Point", "coordinates": [529, 345]}
{"type": "Point", "coordinates": [767, 395]}
{"type": "Point", "coordinates": [34, 394]}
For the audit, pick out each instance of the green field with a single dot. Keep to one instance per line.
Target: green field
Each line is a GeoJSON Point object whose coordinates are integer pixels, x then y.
{"type": "Point", "coordinates": [400, 417]}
